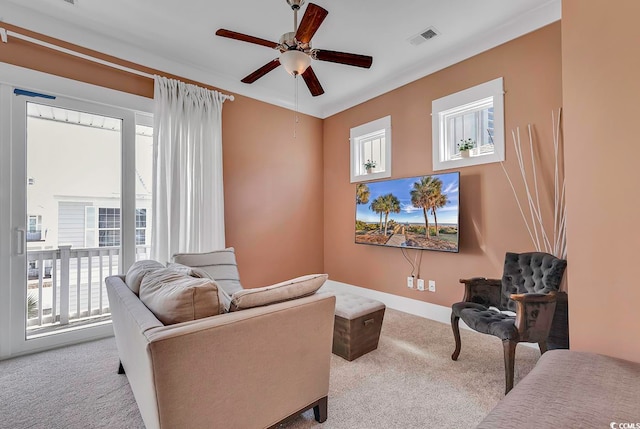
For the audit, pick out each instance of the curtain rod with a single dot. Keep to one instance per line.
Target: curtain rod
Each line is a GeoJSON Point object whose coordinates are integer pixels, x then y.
{"type": "Point", "coordinates": [3, 36]}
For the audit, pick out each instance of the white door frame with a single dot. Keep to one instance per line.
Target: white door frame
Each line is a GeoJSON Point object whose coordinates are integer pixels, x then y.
{"type": "Point", "coordinates": [78, 96]}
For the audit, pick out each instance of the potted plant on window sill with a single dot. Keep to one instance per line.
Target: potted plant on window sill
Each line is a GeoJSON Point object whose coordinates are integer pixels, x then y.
{"type": "Point", "coordinates": [369, 166]}
{"type": "Point", "coordinates": [465, 147]}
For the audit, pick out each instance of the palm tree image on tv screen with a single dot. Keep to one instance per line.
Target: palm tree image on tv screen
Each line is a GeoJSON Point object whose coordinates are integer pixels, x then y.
{"type": "Point", "coordinates": [419, 212]}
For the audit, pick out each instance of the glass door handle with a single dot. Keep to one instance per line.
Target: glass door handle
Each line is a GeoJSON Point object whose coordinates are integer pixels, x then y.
{"type": "Point", "coordinates": [20, 234]}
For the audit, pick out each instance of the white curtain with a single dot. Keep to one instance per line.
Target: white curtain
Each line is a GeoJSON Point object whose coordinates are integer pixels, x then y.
{"type": "Point", "coordinates": [188, 200]}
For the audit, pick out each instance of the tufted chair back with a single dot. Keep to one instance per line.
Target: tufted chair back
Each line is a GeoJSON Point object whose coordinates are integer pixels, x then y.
{"type": "Point", "coordinates": [534, 272]}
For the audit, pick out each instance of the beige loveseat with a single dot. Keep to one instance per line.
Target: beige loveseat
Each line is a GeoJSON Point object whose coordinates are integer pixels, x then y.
{"type": "Point", "coordinates": [245, 369]}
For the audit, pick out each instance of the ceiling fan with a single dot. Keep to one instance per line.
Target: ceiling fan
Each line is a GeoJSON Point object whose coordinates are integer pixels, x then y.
{"type": "Point", "coordinates": [295, 48]}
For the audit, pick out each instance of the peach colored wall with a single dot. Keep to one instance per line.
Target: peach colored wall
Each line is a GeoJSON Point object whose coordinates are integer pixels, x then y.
{"type": "Point", "coordinates": [273, 182]}
{"type": "Point", "coordinates": [601, 89]}
{"type": "Point", "coordinates": [273, 191]}
{"type": "Point", "coordinates": [490, 223]}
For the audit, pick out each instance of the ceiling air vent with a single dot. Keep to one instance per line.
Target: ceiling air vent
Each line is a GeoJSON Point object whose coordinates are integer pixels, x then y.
{"type": "Point", "coordinates": [423, 36]}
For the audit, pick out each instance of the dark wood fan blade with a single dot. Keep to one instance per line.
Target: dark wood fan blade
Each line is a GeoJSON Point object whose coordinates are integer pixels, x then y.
{"type": "Point", "coordinates": [312, 82]}
{"type": "Point", "coordinates": [357, 60]}
{"type": "Point", "coordinates": [246, 38]}
{"type": "Point", "coordinates": [262, 71]}
{"type": "Point", "coordinates": [313, 17]}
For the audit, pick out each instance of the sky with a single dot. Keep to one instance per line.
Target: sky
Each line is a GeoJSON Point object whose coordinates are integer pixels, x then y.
{"type": "Point", "coordinates": [401, 188]}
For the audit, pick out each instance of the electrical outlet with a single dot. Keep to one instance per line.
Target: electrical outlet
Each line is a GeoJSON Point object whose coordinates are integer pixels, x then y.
{"type": "Point", "coordinates": [421, 284]}
{"type": "Point", "coordinates": [410, 282]}
{"type": "Point", "coordinates": [432, 285]}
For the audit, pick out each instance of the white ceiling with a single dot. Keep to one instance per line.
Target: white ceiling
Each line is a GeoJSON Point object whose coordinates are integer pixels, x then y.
{"type": "Point", "coordinates": [178, 37]}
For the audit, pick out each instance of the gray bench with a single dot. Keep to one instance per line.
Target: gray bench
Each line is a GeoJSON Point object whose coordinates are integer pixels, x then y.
{"type": "Point", "coordinates": [358, 321]}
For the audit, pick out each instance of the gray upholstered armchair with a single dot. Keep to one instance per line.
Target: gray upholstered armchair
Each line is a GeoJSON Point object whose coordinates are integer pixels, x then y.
{"type": "Point", "coordinates": [528, 288]}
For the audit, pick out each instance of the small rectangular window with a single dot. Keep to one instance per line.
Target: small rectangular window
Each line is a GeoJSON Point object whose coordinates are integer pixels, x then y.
{"type": "Point", "coordinates": [468, 127]}
{"type": "Point", "coordinates": [473, 123]}
{"type": "Point", "coordinates": [35, 223]}
{"type": "Point", "coordinates": [108, 227]}
{"type": "Point", "coordinates": [34, 228]}
{"type": "Point", "coordinates": [371, 150]}
{"type": "Point", "coordinates": [141, 218]}
{"type": "Point", "coordinates": [141, 227]}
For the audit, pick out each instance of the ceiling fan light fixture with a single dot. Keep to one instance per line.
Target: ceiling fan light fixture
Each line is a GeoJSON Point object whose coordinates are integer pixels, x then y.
{"type": "Point", "coordinates": [295, 48]}
{"type": "Point", "coordinates": [295, 62]}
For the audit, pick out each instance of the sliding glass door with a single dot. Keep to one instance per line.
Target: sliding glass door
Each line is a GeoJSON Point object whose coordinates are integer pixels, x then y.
{"type": "Point", "coordinates": [74, 216]}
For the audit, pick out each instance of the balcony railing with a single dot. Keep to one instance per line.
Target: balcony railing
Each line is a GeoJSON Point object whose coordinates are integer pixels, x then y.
{"type": "Point", "coordinates": [68, 286]}
{"type": "Point", "coordinates": [34, 235]}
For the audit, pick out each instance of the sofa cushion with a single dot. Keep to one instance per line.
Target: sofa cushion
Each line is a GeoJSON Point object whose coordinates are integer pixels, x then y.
{"type": "Point", "coordinates": [174, 297]}
{"type": "Point", "coordinates": [279, 292]}
{"type": "Point", "coordinates": [188, 271]}
{"type": "Point", "coordinates": [138, 270]}
{"type": "Point", "coordinates": [220, 265]}
{"type": "Point", "coordinates": [485, 320]}
{"type": "Point", "coordinates": [223, 297]}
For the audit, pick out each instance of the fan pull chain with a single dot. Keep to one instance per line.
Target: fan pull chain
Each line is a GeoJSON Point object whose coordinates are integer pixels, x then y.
{"type": "Point", "coordinates": [295, 113]}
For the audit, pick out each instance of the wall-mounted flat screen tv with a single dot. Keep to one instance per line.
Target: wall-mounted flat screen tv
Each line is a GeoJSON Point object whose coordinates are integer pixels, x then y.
{"type": "Point", "coordinates": [419, 212]}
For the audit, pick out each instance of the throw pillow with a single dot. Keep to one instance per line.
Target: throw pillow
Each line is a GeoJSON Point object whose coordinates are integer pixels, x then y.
{"type": "Point", "coordinates": [279, 292]}
{"type": "Point", "coordinates": [225, 299]}
{"type": "Point", "coordinates": [188, 271]}
{"type": "Point", "coordinates": [220, 265]}
{"type": "Point", "coordinates": [174, 297]}
{"type": "Point", "coordinates": [138, 270]}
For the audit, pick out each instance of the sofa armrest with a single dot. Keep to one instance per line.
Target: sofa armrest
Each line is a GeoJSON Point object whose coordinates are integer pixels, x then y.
{"type": "Point", "coordinates": [482, 291]}
{"type": "Point", "coordinates": [131, 320]}
{"type": "Point", "coordinates": [534, 315]}
{"type": "Point", "coordinates": [247, 369]}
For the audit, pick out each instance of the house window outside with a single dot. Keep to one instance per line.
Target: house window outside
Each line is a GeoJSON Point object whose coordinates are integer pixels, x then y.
{"type": "Point", "coordinates": [141, 227]}
{"type": "Point", "coordinates": [475, 114]}
{"type": "Point", "coordinates": [473, 122]}
{"type": "Point", "coordinates": [34, 228]}
{"type": "Point", "coordinates": [371, 145]}
{"type": "Point", "coordinates": [109, 227]}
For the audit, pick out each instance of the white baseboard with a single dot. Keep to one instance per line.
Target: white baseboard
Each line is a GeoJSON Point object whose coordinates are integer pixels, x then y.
{"type": "Point", "coordinates": [438, 313]}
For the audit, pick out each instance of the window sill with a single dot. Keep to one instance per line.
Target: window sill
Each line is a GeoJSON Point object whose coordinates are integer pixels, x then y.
{"type": "Point", "coordinates": [371, 176]}
{"type": "Point", "coordinates": [487, 158]}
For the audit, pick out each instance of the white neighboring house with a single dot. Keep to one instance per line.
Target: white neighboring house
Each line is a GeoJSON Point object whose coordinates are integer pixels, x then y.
{"type": "Point", "coordinates": [73, 181]}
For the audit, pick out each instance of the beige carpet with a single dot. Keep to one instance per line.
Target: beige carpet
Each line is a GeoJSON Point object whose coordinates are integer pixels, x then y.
{"type": "Point", "coordinates": [409, 382]}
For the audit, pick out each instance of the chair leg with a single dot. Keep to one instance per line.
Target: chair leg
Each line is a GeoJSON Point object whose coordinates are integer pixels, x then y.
{"type": "Point", "coordinates": [509, 363]}
{"type": "Point", "coordinates": [320, 410]}
{"type": "Point", "coordinates": [120, 368]}
{"type": "Point", "coordinates": [543, 347]}
{"type": "Point", "coordinates": [456, 334]}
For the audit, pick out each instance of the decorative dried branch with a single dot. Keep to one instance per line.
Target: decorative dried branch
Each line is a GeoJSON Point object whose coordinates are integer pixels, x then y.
{"type": "Point", "coordinates": [535, 223]}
